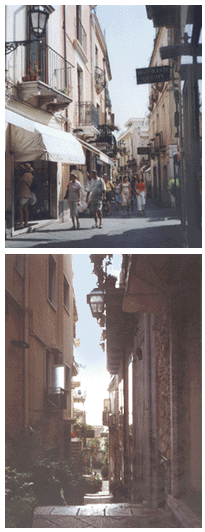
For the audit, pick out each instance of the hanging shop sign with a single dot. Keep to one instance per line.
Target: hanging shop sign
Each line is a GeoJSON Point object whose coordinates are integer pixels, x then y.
{"type": "Point", "coordinates": [153, 74]}
{"type": "Point", "coordinates": [143, 150]}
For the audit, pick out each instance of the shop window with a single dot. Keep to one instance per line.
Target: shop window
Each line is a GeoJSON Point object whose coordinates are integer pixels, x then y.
{"type": "Point", "coordinates": [66, 294]}
{"type": "Point", "coordinates": [52, 280]}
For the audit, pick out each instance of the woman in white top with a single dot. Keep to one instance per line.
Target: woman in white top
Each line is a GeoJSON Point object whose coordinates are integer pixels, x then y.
{"type": "Point", "coordinates": [74, 196]}
{"type": "Point", "coordinates": [125, 192]}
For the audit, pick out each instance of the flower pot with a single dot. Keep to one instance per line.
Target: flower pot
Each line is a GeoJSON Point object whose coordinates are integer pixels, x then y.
{"type": "Point", "coordinates": [26, 78]}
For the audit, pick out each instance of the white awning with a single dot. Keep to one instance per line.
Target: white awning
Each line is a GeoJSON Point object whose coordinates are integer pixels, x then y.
{"type": "Point", "coordinates": [19, 120]}
{"type": "Point", "coordinates": [31, 140]}
{"type": "Point", "coordinates": [106, 159]}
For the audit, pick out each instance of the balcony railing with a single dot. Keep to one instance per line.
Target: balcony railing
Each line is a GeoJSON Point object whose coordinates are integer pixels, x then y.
{"type": "Point", "coordinates": [112, 419]}
{"type": "Point", "coordinates": [99, 79]}
{"type": "Point", "coordinates": [55, 398]}
{"type": "Point", "coordinates": [35, 60]}
{"type": "Point", "coordinates": [81, 35]}
{"type": "Point", "coordinates": [107, 138]}
{"type": "Point", "coordinates": [86, 114]}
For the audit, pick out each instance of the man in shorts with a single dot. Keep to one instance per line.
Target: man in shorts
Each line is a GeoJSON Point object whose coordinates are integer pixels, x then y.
{"type": "Point", "coordinates": [96, 191]}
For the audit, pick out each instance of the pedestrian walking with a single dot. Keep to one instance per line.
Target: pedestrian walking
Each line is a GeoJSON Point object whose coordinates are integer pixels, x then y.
{"type": "Point", "coordinates": [125, 193]}
{"type": "Point", "coordinates": [96, 191]}
{"type": "Point", "coordinates": [141, 195]}
{"type": "Point", "coordinates": [109, 193]}
{"type": "Point", "coordinates": [73, 195]}
{"type": "Point", "coordinates": [133, 191]}
{"type": "Point", "coordinates": [117, 194]}
{"type": "Point", "coordinates": [25, 194]}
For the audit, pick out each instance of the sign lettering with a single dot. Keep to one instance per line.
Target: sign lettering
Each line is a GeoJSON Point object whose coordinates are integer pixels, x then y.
{"type": "Point", "coordinates": [153, 74]}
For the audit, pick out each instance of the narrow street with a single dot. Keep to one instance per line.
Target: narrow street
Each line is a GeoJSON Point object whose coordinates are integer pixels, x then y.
{"type": "Point", "coordinates": [160, 227]}
{"type": "Point", "coordinates": [97, 512]}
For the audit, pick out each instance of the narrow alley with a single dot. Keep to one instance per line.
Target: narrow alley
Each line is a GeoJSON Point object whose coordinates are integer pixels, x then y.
{"type": "Point", "coordinates": [99, 511]}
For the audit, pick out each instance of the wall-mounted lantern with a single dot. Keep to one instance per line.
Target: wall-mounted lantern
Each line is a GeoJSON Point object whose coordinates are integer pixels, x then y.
{"type": "Point", "coordinates": [96, 301]}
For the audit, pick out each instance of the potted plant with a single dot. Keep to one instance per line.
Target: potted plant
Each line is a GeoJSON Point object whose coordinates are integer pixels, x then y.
{"type": "Point", "coordinates": [26, 78]}
{"type": "Point", "coordinates": [37, 71]}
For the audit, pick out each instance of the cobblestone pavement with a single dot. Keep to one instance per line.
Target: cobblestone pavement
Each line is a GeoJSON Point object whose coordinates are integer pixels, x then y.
{"type": "Point", "coordinates": [160, 227]}
{"type": "Point", "coordinates": [122, 515]}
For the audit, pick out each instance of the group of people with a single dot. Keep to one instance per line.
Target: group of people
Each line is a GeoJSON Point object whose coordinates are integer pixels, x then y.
{"type": "Point", "coordinates": [126, 191]}
{"type": "Point", "coordinates": [99, 191]}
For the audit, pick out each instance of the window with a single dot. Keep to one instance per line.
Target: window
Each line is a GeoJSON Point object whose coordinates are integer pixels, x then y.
{"type": "Point", "coordinates": [52, 280]}
{"type": "Point", "coordinates": [66, 294]}
{"type": "Point", "coordinates": [79, 24]}
{"type": "Point", "coordinates": [96, 56]}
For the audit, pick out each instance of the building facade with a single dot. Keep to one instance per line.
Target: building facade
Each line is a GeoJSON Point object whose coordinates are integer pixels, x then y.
{"type": "Point", "coordinates": [162, 131]}
{"type": "Point", "coordinates": [40, 330]}
{"type": "Point", "coordinates": [183, 25]}
{"type": "Point", "coordinates": [135, 136]}
{"type": "Point", "coordinates": [153, 330]}
{"type": "Point", "coordinates": [58, 110]}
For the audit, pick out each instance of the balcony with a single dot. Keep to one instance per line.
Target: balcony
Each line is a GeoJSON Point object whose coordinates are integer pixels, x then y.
{"type": "Point", "coordinates": [55, 399]}
{"type": "Point", "coordinates": [158, 145]}
{"type": "Point", "coordinates": [43, 76]}
{"type": "Point", "coordinates": [112, 420]}
{"type": "Point", "coordinates": [99, 80]}
{"type": "Point", "coordinates": [87, 118]}
{"type": "Point", "coordinates": [105, 418]}
{"type": "Point", "coordinates": [106, 141]}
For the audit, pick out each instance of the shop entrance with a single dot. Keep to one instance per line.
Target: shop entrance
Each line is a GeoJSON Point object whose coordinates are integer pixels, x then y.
{"type": "Point", "coordinates": [44, 187]}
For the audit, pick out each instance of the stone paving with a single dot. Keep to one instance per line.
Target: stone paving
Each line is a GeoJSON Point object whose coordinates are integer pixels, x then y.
{"type": "Point", "coordinates": [160, 227]}
{"type": "Point", "coordinates": [122, 515]}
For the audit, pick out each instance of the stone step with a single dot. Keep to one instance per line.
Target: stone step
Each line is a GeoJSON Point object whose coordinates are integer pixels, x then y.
{"type": "Point", "coordinates": [98, 499]}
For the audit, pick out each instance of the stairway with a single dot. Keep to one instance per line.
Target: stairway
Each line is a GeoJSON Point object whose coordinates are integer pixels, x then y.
{"type": "Point", "coordinates": [102, 497]}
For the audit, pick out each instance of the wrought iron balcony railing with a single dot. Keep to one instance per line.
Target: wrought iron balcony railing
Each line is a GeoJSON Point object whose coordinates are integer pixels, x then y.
{"type": "Point", "coordinates": [86, 114]}
{"type": "Point", "coordinates": [55, 398]}
{"type": "Point", "coordinates": [112, 419]}
{"type": "Point", "coordinates": [35, 60]}
{"type": "Point", "coordinates": [81, 34]}
{"type": "Point", "coordinates": [107, 138]}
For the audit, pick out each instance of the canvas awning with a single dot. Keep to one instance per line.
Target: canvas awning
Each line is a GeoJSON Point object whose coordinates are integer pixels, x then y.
{"type": "Point", "coordinates": [31, 140]}
{"type": "Point", "coordinates": [106, 159]}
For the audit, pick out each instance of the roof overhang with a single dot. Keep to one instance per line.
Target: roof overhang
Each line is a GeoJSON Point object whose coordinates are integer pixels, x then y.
{"type": "Point", "coordinates": [155, 280]}
{"type": "Point", "coordinates": [164, 15]}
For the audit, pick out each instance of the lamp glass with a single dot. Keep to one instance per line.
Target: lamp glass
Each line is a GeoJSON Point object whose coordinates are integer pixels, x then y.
{"type": "Point", "coordinates": [38, 20]}
{"type": "Point", "coordinates": [96, 302]}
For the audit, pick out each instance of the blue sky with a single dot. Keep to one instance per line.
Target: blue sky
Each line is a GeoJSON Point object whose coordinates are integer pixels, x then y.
{"type": "Point", "coordinates": [129, 37]}
{"type": "Point", "coordinates": [94, 377]}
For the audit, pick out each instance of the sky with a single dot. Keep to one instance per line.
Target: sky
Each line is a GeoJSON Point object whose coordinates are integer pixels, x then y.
{"type": "Point", "coordinates": [129, 36]}
{"type": "Point", "coordinates": [94, 376]}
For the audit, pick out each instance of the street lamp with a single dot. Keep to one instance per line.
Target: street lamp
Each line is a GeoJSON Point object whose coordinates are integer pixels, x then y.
{"type": "Point", "coordinates": [96, 301]}
{"type": "Point", "coordinates": [39, 16]}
